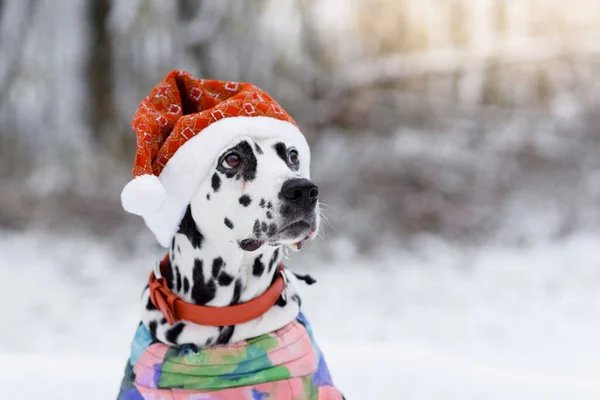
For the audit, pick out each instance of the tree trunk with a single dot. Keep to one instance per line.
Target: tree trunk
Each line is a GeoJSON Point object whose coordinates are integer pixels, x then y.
{"type": "Point", "coordinates": [100, 80]}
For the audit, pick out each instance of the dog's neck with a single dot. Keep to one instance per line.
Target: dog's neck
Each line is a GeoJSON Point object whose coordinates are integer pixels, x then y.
{"type": "Point", "coordinates": [220, 275]}
{"type": "Point", "coordinates": [214, 272]}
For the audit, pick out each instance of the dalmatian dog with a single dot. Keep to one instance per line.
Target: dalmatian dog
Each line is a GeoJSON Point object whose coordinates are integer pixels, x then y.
{"type": "Point", "coordinates": [251, 207]}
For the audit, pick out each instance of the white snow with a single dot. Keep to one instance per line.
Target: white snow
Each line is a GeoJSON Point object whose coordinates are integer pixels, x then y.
{"type": "Point", "coordinates": [439, 322]}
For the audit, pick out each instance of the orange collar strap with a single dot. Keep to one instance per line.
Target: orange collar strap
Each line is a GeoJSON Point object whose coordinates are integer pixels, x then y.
{"type": "Point", "coordinates": [174, 309]}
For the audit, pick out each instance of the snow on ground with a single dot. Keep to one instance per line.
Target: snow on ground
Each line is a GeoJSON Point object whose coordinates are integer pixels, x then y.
{"type": "Point", "coordinates": [440, 322]}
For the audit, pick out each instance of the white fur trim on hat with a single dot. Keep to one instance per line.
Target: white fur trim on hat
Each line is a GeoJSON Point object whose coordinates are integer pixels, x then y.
{"type": "Point", "coordinates": [191, 163]}
{"type": "Point", "coordinates": [143, 195]}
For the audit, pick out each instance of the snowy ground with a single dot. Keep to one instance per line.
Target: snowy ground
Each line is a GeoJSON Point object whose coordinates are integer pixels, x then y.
{"type": "Point", "coordinates": [438, 323]}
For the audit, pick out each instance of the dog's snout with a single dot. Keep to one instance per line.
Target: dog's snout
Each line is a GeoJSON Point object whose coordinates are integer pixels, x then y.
{"type": "Point", "coordinates": [301, 192]}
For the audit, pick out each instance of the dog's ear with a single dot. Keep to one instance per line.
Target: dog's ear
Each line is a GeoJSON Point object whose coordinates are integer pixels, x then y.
{"type": "Point", "coordinates": [309, 280]}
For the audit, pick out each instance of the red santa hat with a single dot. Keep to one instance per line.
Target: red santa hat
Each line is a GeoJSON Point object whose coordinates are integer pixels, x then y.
{"type": "Point", "coordinates": [181, 128]}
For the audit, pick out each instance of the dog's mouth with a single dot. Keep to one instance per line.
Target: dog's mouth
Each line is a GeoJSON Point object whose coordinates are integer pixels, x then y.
{"type": "Point", "coordinates": [253, 245]}
{"type": "Point", "coordinates": [294, 235]}
{"type": "Point", "coordinates": [294, 229]}
{"type": "Point", "coordinates": [250, 244]}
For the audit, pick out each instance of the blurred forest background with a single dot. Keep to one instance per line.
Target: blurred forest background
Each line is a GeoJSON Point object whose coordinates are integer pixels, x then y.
{"type": "Point", "coordinates": [473, 120]}
{"type": "Point", "coordinates": [456, 144]}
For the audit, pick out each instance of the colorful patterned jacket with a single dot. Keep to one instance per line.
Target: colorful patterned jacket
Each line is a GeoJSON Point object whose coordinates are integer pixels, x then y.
{"type": "Point", "coordinates": [285, 364]}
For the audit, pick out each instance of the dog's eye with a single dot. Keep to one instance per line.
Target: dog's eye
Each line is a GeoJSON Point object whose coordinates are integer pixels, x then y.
{"type": "Point", "coordinates": [293, 157]}
{"type": "Point", "coordinates": [231, 160]}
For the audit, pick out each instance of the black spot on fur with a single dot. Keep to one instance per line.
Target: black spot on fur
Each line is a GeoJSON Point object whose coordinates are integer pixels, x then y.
{"type": "Point", "coordinates": [215, 182]}
{"type": "Point", "coordinates": [208, 342]}
{"type": "Point", "coordinates": [186, 285]}
{"type": "Point", "coordinates": [273, 259]}
{"type": "Point", "coordinates": [202, 292]}
{"type": "Point", "coordinates": [178, 278]}
{"type": "Point", "coordinates": [225, 334]}
{"type": "Point", "coordinates": [225, 279]}
{"type": "Point", "coordinates": [169, 276]}
{"type": "Point", "coordinates": [258, 268]}
{"type": "Point", "coordinates": [297, 299]}
{"type": "Point", "coordinates": [228, 223]}
{"type": "Point", "coordinates": [270, 205]}
{"type": "Point", "coordinates": [216, 266]}
{"type": "Point", "coordinates": [150, 305]}
{"type": "Point", "coordinates": [207, 196]}
{"type": "Point", "coordinates": [245, 200]}
{"type": "Point", "coordinates": [152, 328]}
{"type": "Point", "coordinates": [256, 228]}
{"type": "Point", "coordinates": [178, 249]}
{"type": "Point", "coordinates": [173, 334]}
{"type": "Point", "coordinates": [250, 163]}
{"type": "Point", "coordinates": [281, 302]}
{"type": "Point", "coordinates": [269, 215]}
{"type": "Point", "coordinates": [281, 150]}
{"type": "Point", "coordinates": [264, 227]}
{"type": "Point", "coordinates": [262, 203]}
{"type": "Point", "coordinates": [259, 150]}
{"type": "Point", "coordinates": [237, 292]}
{"type": "Point", "coordinates": [309, 280]}
{"type": "Point", "coordinates": [172, 245]}
{"type": "Point", "coordinates": [189, 228]}
{"type": "Point", "coordinates": [272, 230]}
{"type": "Point", "coordinates": [163, 321]}
{"type": "Point", "coordinates": [193, 348]}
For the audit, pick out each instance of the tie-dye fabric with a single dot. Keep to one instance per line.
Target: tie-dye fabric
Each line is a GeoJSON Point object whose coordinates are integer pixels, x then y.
{"type": "Point", "coordinates": [285, 364]}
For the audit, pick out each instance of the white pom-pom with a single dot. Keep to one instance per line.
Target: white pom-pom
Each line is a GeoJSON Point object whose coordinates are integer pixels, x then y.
{"type": "Point", "coordinates": [143, 195]}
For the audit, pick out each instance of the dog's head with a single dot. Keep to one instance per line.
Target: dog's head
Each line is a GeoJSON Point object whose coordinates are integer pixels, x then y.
{"type": "Point", "coordinates": [256, 196]}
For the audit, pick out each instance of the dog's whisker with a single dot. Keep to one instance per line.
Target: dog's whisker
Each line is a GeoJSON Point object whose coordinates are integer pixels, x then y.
{"type": "Point", "coordinates": [321, 231]}
{"type": "Point", "coordinates": [322, 211]}
{"type": "Point", "coordinates": [326, 220]}
{"type": "Point", "coordinates": [319, 235]}
{"type": "Point", "coordinates": [326, 205]}
{"type": "Point", "coordinates": [324, 217]}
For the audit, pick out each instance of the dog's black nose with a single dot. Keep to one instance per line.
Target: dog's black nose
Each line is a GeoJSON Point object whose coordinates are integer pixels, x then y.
{"type": "Point", "coordinates": [301, 192]}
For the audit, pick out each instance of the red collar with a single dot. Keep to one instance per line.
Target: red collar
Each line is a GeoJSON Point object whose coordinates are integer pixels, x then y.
{"type": "Point", "coordinates": [174, 309]}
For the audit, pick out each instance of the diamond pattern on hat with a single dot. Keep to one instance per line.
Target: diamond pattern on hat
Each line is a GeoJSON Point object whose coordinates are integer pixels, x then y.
{"type": "Point", "coordinates": [200, 102]}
